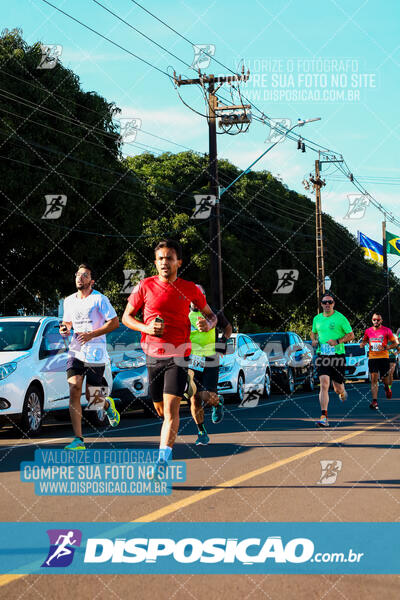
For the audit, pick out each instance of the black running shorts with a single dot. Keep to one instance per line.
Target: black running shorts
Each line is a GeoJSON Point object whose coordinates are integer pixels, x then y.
{"type": "Point", "coordinates": [165, 377]}
{"type": "Point", "coordinates": [94, 375]}
{"type": "Point", "coordinates": [332, 365]}
{"type": "Point", "coordinates": [207, 380]}
{"type": "Point", "coordinates": [379, 365]}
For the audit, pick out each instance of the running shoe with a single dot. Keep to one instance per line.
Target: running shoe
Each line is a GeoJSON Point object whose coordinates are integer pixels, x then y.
{"type": "Point", "coordinates": [323, 422]}
{"type": "Point", "coordinates": [374, 405]}
{"type": "Point", "coordinates": [202, 439]}
{"type": "Point", "coordinates": [159, 471]}
{"type": "Point", "coordinates": [388, 393]}
{"type": "Point", "coordinates": [218, 411]}
{"type": "Point", "coordinates": [112, 413]}
{"type": "Point", "coordinates": [76, 444]}
{"type": "Point", "coordinates": [343, 397]}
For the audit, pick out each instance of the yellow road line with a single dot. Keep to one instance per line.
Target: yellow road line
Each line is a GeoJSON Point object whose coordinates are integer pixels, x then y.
{"type": "Point", "coordinates": [171, 508]}
{"type": "Point", "coordinates": [175, 506]}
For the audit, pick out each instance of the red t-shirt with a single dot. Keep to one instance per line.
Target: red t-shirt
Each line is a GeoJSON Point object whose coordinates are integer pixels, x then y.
{"type": "Point", "coordinates": [170, 301]}
{"type": "Point", "coordinates": [378, 339]}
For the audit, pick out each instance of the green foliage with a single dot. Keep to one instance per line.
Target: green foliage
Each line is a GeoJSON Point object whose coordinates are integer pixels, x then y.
{"type": "Point", "coordinates": [57, 139]}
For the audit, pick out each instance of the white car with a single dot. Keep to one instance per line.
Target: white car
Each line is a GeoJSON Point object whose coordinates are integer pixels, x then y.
{"type": "Point", "coordinates": [33, 381]}
{"type": "Point", "coordinates": [244, 368]}
{"type": "Point", "coordinates": [356, 362]}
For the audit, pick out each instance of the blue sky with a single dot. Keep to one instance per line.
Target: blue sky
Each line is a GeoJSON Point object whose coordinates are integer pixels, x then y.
{"type": "Point", "coordinates": [284, 45]}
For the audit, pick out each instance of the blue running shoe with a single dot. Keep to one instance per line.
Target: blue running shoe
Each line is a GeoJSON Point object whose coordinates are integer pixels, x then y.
{"type": "Point", "coordinates": [112, 413]}
{"type": "Point", "coordinates": [218, 411]}
{"type": "Point", "coordinates": [76, 444]}
{"type": "Point", "coordinates": [202, 439]}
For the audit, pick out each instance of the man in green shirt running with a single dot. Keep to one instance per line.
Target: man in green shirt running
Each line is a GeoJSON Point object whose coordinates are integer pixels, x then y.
{"type": "Point", "coordinates": [203, 371]}
{"type": "Point", "coordinates": [330, 331]}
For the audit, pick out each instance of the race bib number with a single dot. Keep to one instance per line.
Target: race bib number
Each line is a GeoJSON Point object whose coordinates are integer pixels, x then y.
{"type": "Point", "coordinates": [376, 346]}
{"type": "Point", "coordinates": [197, 363]}
{"type": "Point", "coordinates": [327, 350]}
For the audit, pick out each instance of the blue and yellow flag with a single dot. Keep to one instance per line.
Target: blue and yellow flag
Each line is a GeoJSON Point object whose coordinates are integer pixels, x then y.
{"type": "Point", "coordinates": [372, 249]}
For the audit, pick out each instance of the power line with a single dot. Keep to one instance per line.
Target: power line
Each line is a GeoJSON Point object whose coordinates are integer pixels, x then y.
{"type": "Point", "coordinates": [108, 39]}
{"type": "Point", "coordinates": [56, 96]}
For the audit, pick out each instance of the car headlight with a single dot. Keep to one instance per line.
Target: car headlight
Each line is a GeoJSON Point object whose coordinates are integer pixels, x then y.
{"type": "Point", "coordinates": [7, 369]}
{"type": "Point", "coordinates": [226, 368]}
{"type": "Point", "coordinates": [132, 363]}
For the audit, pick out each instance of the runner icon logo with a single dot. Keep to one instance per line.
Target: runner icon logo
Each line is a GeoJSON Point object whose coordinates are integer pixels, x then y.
{"type": "Point", "coordinates": [286, 280]}
{"type": "Point", "coordinates": [329, 471]}
{"type": "Point", "coordinates": [63, 543]}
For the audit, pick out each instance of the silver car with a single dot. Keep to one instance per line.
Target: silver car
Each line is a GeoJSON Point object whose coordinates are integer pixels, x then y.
{"type": "Point", "coordinates": [244, 368]}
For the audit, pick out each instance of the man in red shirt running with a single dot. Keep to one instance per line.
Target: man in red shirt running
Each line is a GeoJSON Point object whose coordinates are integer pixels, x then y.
{"type": "Point", "coordinates": [165, 300]}
{"type": "Point", "coordinates": [378, 337]}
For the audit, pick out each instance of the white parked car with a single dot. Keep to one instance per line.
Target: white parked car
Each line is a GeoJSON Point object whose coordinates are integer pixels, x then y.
{"type": "Point", "coordinates": [33, 381]}
{"type": "Point", "coordinates": [244, 368]}
{"type": "Point", "coordinates": [356, 362]}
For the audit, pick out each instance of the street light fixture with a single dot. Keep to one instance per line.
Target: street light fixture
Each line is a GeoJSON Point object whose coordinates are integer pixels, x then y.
{"type": "Point", "coordinates": [328, 283]}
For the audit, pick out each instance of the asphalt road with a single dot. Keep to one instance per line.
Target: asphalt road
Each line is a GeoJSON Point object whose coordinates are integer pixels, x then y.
{"type": "Point", "coordinates": [263, 464]}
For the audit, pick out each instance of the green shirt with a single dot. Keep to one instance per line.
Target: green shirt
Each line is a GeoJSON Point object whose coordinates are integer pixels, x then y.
{"type": "Point", "coordinates": [203, 342]}
{"type": "Point", "coordinates": [330, 328]}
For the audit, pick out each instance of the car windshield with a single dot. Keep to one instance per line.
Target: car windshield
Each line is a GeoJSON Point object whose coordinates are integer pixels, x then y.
{"type": "Point", "coordinates": [273, 344]}
{"type": "Point", "coordinates": [122, 339]}
{"type": "Point", "coordinates": [16, 336]}
{"type": "Point", "coordinates": [354, 350]}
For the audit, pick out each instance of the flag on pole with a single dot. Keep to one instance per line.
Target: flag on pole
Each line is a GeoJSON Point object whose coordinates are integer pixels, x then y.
{"type": "Point", "coordinates": [392, 243]}
{"type": "Point", "coordinates": [372, 249]}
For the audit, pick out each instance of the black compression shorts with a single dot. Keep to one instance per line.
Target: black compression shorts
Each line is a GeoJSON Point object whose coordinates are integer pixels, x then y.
{"type": "Point", "coordinates": [332, 365]}
{"type": "Point", "coordinates": [94, 375]}
{"type": "Point", "coordinates": [207, 380]}
{"type": "Point", "coordinates": [165, 377]}
{"type": "Point", "coordinates": [379, 365]}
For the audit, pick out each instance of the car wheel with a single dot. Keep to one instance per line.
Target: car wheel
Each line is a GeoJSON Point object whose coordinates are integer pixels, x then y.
{"type": "Point", "coordinates": [32, 411]}
{"type": "Point", "coordinates": [309, 383]}
{"type": "Point", "coordinates": [267, 384]}
{"type": "Point", "coordinates": [290, 387]}
{"type": "Point", "coordinates": [240, 388]}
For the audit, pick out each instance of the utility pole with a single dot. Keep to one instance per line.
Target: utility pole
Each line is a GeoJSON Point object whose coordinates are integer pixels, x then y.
{"type": "Point", "coordinates": [214, 112]}
{"type": "Point", "coordinates": [318, 183]}
{"type": "Point", "coordinates": [386, 271]}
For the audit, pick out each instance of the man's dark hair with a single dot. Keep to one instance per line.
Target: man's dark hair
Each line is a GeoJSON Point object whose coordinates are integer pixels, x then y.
{"type": "Point", "coordinates": [88, 268]}
{"type": "Point", "coordinates": [172, 244]}
{"type": "Point", "coordinates": [377, 314]}
{"type": "Point", "coordinates": [328, 295]}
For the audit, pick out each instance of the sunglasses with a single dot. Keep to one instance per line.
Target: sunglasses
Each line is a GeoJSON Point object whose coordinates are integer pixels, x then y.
{"type": "Point", "coordinates": [376, 320]}
{"type": "Point", "coordinates": [327, 302]}
{"type": "Point", "coordinates": [83, 275]}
